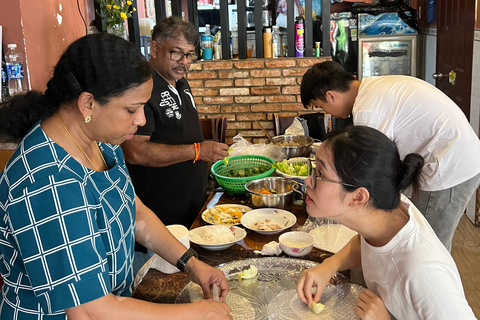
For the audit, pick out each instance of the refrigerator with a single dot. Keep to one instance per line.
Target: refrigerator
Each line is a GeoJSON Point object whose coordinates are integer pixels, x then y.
{"type": "Point", "coordinates": [387, 45]}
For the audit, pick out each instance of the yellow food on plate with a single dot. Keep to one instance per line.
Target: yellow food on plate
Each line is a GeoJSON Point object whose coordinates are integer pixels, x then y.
{"type": "Point", "coordinates": [224, 214]}
{"type": "Point", "coordinates": [317, 307]}
{"type": "Point", "coordinates": [248, 274]}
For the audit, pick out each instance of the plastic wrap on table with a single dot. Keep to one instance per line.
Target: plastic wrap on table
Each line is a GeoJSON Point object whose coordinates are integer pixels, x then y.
{"type": "Point", "coordinates": [241, 147]}
{"type": "Point", "coordinates": [328, 235]}
{"type": "Point", "coordinates": [272, 293]}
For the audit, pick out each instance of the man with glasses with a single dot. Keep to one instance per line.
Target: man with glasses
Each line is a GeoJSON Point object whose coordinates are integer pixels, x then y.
{"type": "Point", "coordinates": [167, 158]}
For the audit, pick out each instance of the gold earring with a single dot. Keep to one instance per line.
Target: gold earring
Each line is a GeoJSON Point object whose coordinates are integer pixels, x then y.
{"type": "Point", "coordinates": [88, 119]}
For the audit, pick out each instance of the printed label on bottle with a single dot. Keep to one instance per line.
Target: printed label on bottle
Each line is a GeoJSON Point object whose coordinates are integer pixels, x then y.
{"type": "Point", "coordinates": [15, 71]}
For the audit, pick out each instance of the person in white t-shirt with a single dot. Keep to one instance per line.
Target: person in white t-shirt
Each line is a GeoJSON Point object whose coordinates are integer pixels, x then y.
{"type": "Point", "coordinates": [418, 118]}
{"type": "Point", "coordinates": [358, 180]}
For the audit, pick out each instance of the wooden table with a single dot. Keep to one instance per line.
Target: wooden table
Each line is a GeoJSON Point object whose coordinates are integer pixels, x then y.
{"type": "Point", "coordinates": [164, 288]}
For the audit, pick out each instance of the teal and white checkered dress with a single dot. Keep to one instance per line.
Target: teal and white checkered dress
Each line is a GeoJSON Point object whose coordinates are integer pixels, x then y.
{"type": "Point", "coordinates": [67, 233]}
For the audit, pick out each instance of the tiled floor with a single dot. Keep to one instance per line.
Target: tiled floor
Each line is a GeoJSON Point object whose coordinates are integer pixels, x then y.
{"type": "Point", "coordinates": [466, 253]}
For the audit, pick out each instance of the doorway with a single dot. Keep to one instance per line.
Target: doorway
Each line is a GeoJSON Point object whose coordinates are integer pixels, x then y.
{"type": "Point", "coordinates": [455, 32]}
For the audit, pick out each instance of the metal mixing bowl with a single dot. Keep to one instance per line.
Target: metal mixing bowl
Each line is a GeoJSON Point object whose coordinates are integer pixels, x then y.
{"type": "Point", "coordinates": [303, 148]}
{"type": "Point", "coordinates": [283, 199]}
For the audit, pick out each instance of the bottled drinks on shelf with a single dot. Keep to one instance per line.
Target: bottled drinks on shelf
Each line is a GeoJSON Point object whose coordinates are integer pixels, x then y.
{"type": "Point", "coordinates": [276, 43]}
{"type": "Point", "coordinates": [4, 85]}
{"type": "Point", "coordinates": [14, 62]}
{"type": "Point", "coordinates": [299, 37]}
{"type": "Point", "coordinates": [234, 38]}
{"type": "Point", "coordinates": [267, 43]}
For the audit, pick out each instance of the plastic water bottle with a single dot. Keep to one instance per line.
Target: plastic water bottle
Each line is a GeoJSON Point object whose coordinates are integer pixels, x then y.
{"type": "Point", "coordinates": [4, 86]}
{"type": "Point", "coordinates": [276, 43]}
{"type": "Point", "coordinates": [14, 62]}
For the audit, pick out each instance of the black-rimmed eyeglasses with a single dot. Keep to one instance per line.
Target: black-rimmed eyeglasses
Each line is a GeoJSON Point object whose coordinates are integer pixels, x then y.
{"type": "Point", "coordinates": [176, 55]}
{"type": "Point", "coordinates": [312, 173]}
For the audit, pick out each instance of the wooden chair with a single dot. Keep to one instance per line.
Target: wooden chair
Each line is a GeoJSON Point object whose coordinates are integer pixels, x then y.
{"type": "Point", "coordinates": [214, 129]}
{"type": "Point", "coordinates": [315, 123]}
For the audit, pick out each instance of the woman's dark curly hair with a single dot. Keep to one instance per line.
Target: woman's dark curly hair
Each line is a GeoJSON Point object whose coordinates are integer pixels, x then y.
{"type": "Point", "coordinates": [102, 64]}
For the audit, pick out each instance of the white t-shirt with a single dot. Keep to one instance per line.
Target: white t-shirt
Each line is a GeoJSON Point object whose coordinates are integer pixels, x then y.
{"type": "Point", "coordinates": [414, 274]}
{"type": "Point", "coordinates": [420, 118]}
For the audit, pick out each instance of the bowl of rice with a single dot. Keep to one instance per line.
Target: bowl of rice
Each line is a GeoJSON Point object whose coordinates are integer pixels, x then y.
{"type": "Point", "coordinates": [216, 237]}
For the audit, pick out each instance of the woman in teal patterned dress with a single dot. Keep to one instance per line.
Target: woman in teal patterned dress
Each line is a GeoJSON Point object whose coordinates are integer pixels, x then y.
{"type": "Point", "coordinates": [69, 213]}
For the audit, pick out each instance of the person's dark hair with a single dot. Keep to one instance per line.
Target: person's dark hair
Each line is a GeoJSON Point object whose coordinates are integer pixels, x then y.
{"type": "Point", "coordinates": [174, 28]}
{"type": "Point", "coordinates": [102, 64]}
{"type": "Point", "coordinates": [323, 77]}
{"type": "Point", "coordinates": [365, 157]}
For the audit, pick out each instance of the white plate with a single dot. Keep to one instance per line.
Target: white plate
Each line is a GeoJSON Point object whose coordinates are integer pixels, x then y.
{"type": "Point", "coordinates": [293, 161]}
{"type": "Point", "coordinates": [331, 237]}
{"type": "Point", "coordinates": [197, 233]}
{"type": "Point", "coordinates": [228, 212]}
{"type": "Point", "coordinates": [284, 218]}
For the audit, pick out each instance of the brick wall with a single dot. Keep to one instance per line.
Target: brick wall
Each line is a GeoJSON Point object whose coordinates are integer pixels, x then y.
{"type": "Point", "coordinates": [249, 90]}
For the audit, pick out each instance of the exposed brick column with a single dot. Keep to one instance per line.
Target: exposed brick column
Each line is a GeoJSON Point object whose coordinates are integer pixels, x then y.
{"type": "Point", "coordinates": [249, 90]}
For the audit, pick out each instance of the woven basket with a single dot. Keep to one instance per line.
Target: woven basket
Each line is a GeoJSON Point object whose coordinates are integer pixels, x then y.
{"type": "Point", "coordinates": [237, 185]}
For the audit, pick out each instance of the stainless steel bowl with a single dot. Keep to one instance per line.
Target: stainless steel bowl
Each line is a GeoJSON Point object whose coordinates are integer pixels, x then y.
{"type": "Point", "coordinates": [303, 148]}
{"type": "Point", "coordinates": [283, 199]}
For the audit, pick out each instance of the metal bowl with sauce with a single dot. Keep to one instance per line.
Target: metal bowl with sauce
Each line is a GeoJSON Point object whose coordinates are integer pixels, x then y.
{"type": "Point", "coordinates": [281, 193]}
{"type": "Point", "coordinates": [294, 146]}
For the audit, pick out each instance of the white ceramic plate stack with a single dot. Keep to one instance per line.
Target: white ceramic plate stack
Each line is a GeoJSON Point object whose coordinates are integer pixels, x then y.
{"type": "Point", "coordinates": [269, 216]}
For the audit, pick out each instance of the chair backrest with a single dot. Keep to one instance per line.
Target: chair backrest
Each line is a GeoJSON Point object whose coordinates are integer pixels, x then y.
{"type": "Point", "coordinates": [315, 123]}
{"type": "Point", "coordinates": [214, 129]}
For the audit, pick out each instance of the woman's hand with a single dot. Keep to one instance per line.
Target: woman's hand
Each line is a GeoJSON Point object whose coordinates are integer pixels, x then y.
{"type": "Point", "coordinates": [318, 277]}
{"type": "Point", "coordinates": [210, 310]}
{"type": "Point", "coordinates": [369, 306]}
{"type": "Point", "coordinates": [205, 275]}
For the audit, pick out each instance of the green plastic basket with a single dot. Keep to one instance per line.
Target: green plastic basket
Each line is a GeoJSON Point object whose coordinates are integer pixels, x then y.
{"type": "Point", "coordinates": [237, 185]}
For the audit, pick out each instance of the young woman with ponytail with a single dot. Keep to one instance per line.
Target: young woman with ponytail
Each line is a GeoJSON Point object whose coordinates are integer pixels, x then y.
{"type": "Point", "coordinates": [358, 181]}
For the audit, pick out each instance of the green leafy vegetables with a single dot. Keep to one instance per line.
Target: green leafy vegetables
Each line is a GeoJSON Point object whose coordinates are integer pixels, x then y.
{"type": "Point", "coordinates": [246, 172]}
{"type": "Point", "coordinates": [298, 169]}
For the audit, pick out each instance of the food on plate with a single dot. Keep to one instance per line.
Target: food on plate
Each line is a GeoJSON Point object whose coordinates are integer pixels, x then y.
{"type": "Point", "coordinates": [287, 143]}
{"type": "Point", "coordinates": [247, 172]}
{"type": "Point", "coordinates": [299, 169]}
{"type": "Point", "coordinates": [214, 235]}
{"type": "Point", "coordinates": [266, 225]}
{"type": "Point", "coordinates": [317, 307]}
{"type": "Point", "coordinates": [225, 214]}
{"type": "Point", "coordinates": [248, 274]}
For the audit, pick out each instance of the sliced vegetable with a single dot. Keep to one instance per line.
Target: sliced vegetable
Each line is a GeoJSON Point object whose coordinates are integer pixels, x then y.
{"type": "Point", "coordinates": [298, 169]}
{"type": "Point", "coordinates": [227, 158]}
{"type": "Point", "coordinates": [248, 274]}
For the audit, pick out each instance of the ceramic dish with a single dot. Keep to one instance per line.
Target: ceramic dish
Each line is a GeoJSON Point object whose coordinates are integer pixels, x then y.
{"type": "Point", "coordinates": [331, 237]}
{"type": "Point", "coordinates": [272, 293]}
{"type": "Point", "coordinates": [293, 161]}
{"type": "Point", "coordinates": [229, 214]}
{"type": "Point", "coordinates": [208, 237]}
{"type": "Point", "coordinates": [269, 217]}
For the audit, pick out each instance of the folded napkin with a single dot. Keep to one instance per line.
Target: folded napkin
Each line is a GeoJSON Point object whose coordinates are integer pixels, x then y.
{"type": "Point", "coordinates": [270, 249]}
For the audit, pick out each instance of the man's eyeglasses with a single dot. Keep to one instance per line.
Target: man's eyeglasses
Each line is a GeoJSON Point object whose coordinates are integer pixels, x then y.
{"type": "Point", "coordinates": [313, 177]}
{"type": "Point", "coordinates": [176, 55]}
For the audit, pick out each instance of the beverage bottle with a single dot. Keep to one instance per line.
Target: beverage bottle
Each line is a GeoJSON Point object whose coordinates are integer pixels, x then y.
{"type": "Point", "coordinates": [207, 30]}
{"type": "Point", "coordinates": [267, 43]}
{"type": "Point", "coordinates": [299, 37]}
{"type": "Point", "coordinates": [276, 43]}
{"type": "Point", "coordinates": [235, 42]}
{"type": "Point", "coordinates": [14, 62]}
{"type": "Point", "coordinates": [4, 85]}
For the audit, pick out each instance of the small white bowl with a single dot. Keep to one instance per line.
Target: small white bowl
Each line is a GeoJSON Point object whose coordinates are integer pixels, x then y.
{"type": "Point", "coordinates": [296, 244]}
